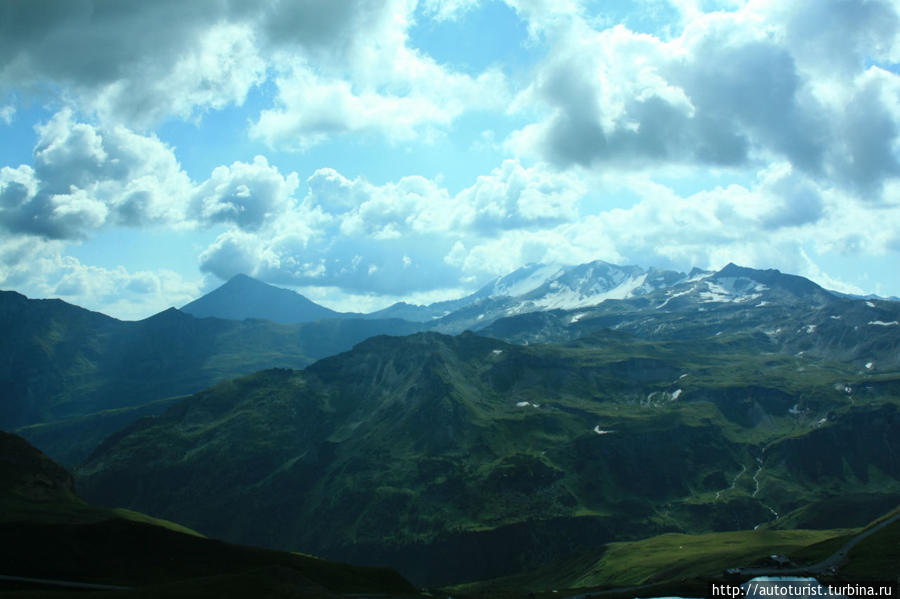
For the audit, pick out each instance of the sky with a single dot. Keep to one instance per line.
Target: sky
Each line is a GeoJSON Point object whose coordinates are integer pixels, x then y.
{"type": "Point", "coordinates": [363, 152]}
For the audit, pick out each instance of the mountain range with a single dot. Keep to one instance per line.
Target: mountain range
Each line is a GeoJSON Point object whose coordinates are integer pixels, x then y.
{"type": "Point", "coordinates": [70, 376]}
{"type": "Point", "coordinates": [407, 449]}
{"type": "Point", "coordinates": [552, 412]}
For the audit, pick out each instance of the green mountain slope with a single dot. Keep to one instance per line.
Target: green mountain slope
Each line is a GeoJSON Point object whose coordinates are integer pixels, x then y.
{"type": "Point", "coordinates": [61, 362]}
{"type": "Point", "coordinates": [49, 533]}
{"type": "Point", "coordinates": [406, 451]}
{"type": "Point", "coordinates": [683, 565]}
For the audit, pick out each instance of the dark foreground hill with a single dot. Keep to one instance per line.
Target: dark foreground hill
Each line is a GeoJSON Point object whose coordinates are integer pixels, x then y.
{"type": "Point", "coordinates": [48, 533]}
{"type": "Point", "coordinates": [457, 458]}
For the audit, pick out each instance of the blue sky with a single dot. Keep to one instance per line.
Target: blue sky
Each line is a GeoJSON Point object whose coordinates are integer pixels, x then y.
{"type": "Point", "coordinates": [364, 152]}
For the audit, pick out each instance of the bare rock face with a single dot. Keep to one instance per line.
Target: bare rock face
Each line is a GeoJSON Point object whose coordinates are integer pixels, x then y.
{"type": "Point", "coordinates": [27, 473]}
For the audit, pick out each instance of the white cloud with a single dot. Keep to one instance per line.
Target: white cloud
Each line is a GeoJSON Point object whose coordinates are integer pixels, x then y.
{"type": "Point", "coordinates": [41, 269]}
{"type": "Point", "coordinates": [232, 253]}
{"type": "Point", "coordinates": [548, 17]}
{"type": "Point", "coordinates": [737, 89]}
{"type": "Point", "coordinates": [513, 196]}
{"type": "Point", "coordinates": [136, 65]}
{"type": "Point", "coordinates": [801, 93]}
{"type": "Point", "coordinates": [393, 238]}
{"type": "Point", "coordinates": [370, 80]}
{"type": "Point", "coordinates": [396, 96]}
{"type": "Point", "coordinates": [248, 195]}
{"type": "Point", "coordinates": [337, 67]}
{"type": "Point", "coordinates": [217, 69]}
{"type": "Point", "coordinates": [7, 113]}
{"type": "Point", "coordinates": [85, 178]}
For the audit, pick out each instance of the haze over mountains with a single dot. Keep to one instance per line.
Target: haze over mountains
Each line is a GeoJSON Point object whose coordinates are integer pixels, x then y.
{"type": "Point", "coordinates": [553, 411]}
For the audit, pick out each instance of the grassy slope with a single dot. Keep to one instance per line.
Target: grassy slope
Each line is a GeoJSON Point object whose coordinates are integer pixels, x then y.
{"type": "Point", "coordinates": [48, 532]}
{"type": "Point", "coordinates": [661, 558]}
{"type": "Point", "coordinates": [667, 564]}
{"type": "Point", "coordinates": [406, 446]}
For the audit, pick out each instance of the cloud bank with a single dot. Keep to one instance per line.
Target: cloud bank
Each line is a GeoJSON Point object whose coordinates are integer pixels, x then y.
{"type": "Point", "coordinates": [759, 132]}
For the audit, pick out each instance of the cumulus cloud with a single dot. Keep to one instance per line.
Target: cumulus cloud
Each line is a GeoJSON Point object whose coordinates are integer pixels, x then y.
{"type": "Point", "coordinates": [802, 93]}
{"type": "Point", "coordinates": [735, 89]}
{"type": "Point", "coordinates": [393, 238]}
{"type": "Point", "coordinates": [336, 67]}
{"type": "Point", "coordinates": [133, 62]}
{"type": "Point", "coordinates": [413, 236]}
{"type": "Point", "coordinates": [247, 195]}
{"type": "Point", "coordinates": [514, 197]}
{"type": "Point", "coordinates": [42, 269]}
{"type": "Point", "coordinates": [232, 253]}
{"type": "Point", "coordinates": [397, 96]}
{"type": "Point", "coordinates": [84, 178]}
{"type": "Point", "coordinates": [349, 68]}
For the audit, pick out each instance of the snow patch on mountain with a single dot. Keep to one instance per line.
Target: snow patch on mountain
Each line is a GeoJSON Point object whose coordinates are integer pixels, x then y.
{"type": "Point", "coordinates": [731, 289]}
{"type": "Point", "coordinates": [562, 297]}
{"type": "Point", "coordinates": [522, 281]}
{"type": "Point", "coordinates": [672, 295]}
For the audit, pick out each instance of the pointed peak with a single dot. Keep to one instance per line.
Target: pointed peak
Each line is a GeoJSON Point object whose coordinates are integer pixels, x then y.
{"type": "Point", "coordinates": [243, 297]}
{"type": "Point", "coordinates": [242, 279]}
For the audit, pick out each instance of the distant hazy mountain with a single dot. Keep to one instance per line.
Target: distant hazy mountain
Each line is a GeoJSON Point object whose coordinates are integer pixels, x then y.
{"type": "Point", "coordinates": [245, 297]}
{"type": "Point", "coordinates": [409, 450]}
{"type": "Point", "coordinates": [531, 288]}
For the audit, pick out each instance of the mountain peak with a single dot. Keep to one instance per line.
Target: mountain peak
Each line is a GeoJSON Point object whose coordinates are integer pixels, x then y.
{"type": "Point", "coordinates": [733, 270]}
{"type": "Point", "coordinates": [773, 278]}
{"type": "Point", "coordinates": [242, 279]}
{"type": "Point", "coordinates": [243, 297]}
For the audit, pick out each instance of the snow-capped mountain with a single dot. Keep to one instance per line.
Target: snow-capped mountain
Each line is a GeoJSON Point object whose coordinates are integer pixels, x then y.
{"type": "Point", "coordinates": [544, 287]}
{"type": "Point", "coordinates": [595, 282]}
{"type": "Point", "coordinates": [536, 287]}
{"type": "Point", "coordinates": [775, 312]}
{"type": "Point", "coordinates": [541, 287]}
{"type": "Point", "coordinates": [738, 285]}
